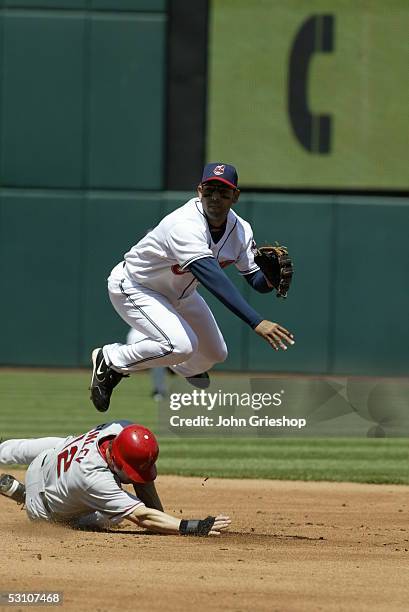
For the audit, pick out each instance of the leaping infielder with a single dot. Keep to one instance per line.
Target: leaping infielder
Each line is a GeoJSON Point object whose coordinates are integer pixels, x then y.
{"type": "Point", "coordinates": [154, 289]}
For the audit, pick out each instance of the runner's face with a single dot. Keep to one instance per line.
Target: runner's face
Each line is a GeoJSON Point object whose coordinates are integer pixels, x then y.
{"type": "Point", "coordinates": [111, 464]}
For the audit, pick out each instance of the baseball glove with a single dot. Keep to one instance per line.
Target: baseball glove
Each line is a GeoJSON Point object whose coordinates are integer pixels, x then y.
{"type": "Point", "coordinates": [276, 266]}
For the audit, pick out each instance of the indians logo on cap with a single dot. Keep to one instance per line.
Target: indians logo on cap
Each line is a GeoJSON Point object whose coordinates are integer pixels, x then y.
{"type": "Point", "coordinates": [219, 170]}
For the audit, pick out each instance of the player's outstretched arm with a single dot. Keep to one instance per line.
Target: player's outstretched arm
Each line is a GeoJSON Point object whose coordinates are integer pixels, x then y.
{"type": "Point", "coordinates": [154, 520]}
{"type": "Point", "coordinates": [160, 522]}
{"type": "Point", "coordinates": [276, 335]}
{"type": "Point", "coordinates": [209, 273]}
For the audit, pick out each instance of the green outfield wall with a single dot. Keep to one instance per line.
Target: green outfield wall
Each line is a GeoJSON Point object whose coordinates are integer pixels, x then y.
{"type": "Point", "coordinates": [348, 306]}
{"type": "Point", "coordinates": [109, 108]}
{"type": "Point", "coordinates": [82, 93]}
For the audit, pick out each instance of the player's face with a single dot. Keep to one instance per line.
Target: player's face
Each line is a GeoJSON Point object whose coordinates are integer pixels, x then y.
{"type": "Point", "coordinates": [111, 464]}
{"type": "Point", "coordinates": [217, 199]}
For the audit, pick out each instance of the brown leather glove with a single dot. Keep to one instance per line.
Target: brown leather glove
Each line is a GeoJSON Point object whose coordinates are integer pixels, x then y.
{"type": "Point", "coordinates": [276, 266]}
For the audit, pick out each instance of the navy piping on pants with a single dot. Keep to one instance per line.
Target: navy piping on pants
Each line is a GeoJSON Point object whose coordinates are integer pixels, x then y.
{"type": "Point", "coordinates": [171, 347]}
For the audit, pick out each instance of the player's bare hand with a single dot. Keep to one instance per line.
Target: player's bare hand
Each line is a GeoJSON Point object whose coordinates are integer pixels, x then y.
{"type": "Point", "coordinates": [221, 523]}
{"type": "Point", "coordinates": [276, 335]}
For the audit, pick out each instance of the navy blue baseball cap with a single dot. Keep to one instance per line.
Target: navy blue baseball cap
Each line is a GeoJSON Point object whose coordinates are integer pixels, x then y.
{"type": "Point", "coordinates": [216, 171]}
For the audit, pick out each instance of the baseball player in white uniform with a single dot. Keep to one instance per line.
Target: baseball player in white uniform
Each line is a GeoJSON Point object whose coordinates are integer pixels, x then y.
{"type": "Point", "coordinates": [77, 480]}
{"type": "Point", "coordinates": [154, 290]}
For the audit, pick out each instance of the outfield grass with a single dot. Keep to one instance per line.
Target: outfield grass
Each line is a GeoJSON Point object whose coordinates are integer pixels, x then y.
{"type": "Point", "coordinates": [39, 403]}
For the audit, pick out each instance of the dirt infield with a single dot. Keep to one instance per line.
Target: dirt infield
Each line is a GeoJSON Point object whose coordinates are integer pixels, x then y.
{"type": "Point", "coordinates": [293, 546]}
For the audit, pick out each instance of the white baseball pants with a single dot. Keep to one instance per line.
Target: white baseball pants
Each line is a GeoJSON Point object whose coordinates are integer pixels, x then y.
{"type": "Point", "coordinates": [184, 336]}
{"type": "Point", "coordinates": [31, 451]}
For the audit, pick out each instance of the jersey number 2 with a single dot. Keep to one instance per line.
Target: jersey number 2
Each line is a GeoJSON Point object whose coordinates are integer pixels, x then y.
{"type": "Point", "coordinates": [65, 458]}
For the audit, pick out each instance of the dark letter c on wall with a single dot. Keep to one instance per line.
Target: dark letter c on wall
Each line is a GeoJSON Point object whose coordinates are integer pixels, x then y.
{"type": "Point", "coordinates": [313, 132]}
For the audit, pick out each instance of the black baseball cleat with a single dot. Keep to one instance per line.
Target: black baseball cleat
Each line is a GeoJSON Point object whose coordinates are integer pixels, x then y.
{"type": "Point", "coordinates": [201, 381]}
{"type": "Point", "coordinates": [12, 488]}
{"type": "Point", "coordinates": [104, 380]}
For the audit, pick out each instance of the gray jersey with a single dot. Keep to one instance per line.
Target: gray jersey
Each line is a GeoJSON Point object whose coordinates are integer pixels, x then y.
{"type": "Point", "coordinates": [77, 479]}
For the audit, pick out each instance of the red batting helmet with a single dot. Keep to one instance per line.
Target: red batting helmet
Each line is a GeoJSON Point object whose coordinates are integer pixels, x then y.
{"type": "Point", "coordinates": [134, 452]}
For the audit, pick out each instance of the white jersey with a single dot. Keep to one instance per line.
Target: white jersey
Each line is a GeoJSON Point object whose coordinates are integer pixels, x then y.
{"type": "Point", "coordinates": [77, 479]}
{"type": "Point", "coordinates": [160, 259]}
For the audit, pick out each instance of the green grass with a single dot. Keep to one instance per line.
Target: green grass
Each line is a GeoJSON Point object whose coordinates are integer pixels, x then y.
{"type": "Point", "coordinates": [39, 403]}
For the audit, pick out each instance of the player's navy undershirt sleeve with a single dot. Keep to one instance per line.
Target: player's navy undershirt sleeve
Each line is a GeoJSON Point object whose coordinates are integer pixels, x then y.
{"type": "Point", "coordinates": [209, 273]}
{"type": "Point", "coordinates": [258, 281]}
